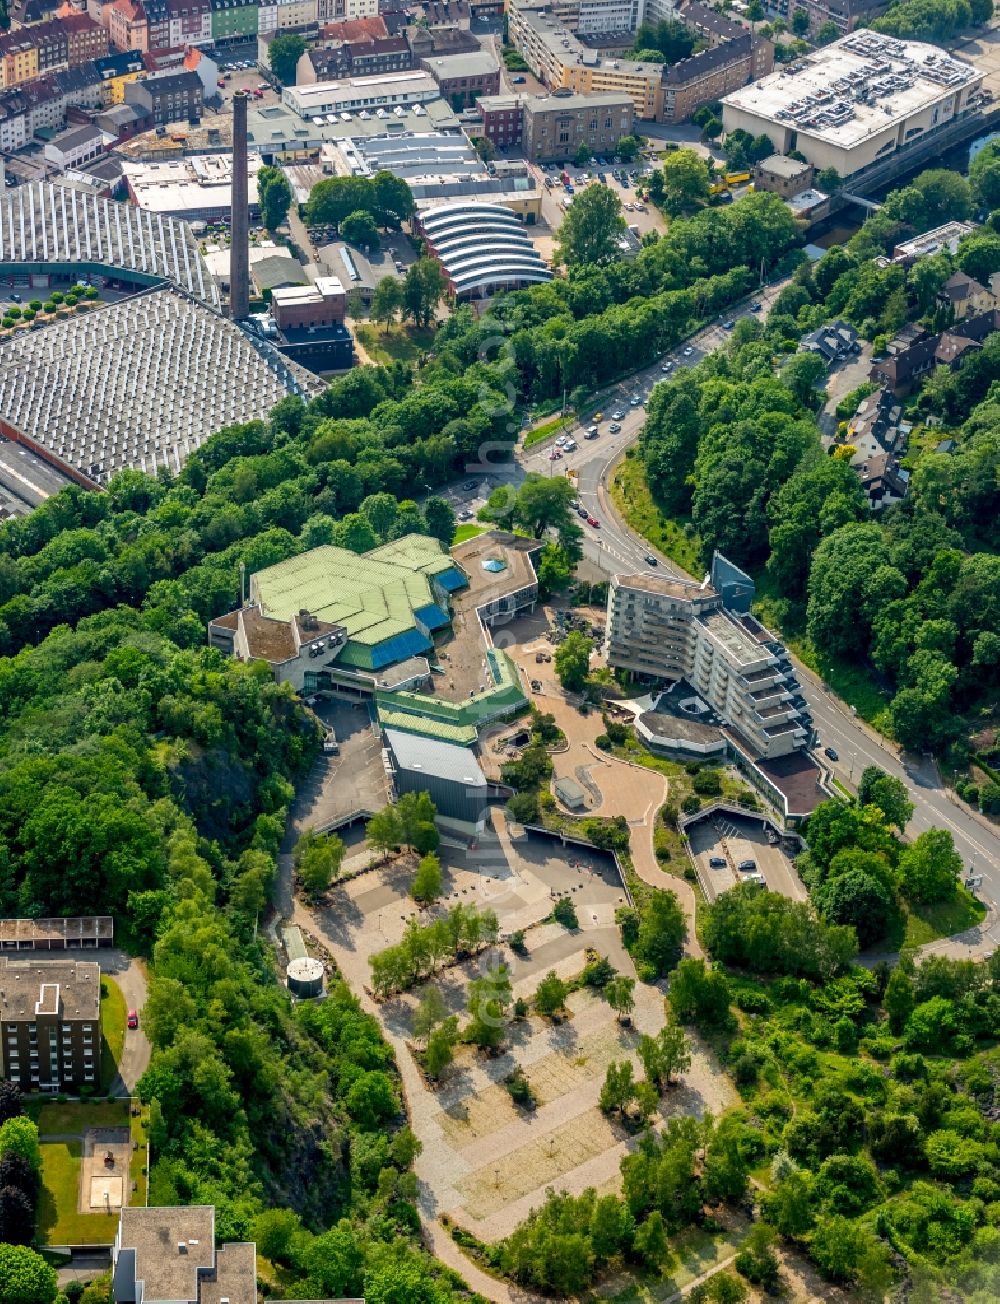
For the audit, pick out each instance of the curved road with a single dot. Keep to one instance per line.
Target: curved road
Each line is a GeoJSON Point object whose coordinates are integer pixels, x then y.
{"type": "Point", "coordinates": [615, 548]}
{"type": "Point", "coordinates": [130, 975]}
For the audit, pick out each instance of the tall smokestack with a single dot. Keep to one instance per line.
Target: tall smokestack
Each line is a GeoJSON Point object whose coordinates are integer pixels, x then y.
{"type": "Point", "coordinates": [239, 252]}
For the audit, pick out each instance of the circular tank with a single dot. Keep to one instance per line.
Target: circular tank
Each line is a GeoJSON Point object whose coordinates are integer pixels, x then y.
{"type": "Point", "coordinates": [305, 977]}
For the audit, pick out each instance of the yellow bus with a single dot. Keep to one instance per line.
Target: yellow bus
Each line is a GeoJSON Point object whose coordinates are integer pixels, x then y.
{"type": "Point", "coordinates": [736, 178]}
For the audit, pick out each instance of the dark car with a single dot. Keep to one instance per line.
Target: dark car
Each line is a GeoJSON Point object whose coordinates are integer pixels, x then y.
{"type": "Point", "coordinates": [469, 486]}
{"type": "Point", "coordinates": [831, 753]}
{"type": "Point", "coordinates": [582, 513]}
{"type": "Point", "coordinates": [747, 866]}
{"type": "Point", "coordinates": [518, 81]}
{"type": "Point", "coordinates": [651, 560]}
{"type": "Point", "coordinates": [756, 307]}
{"type": "Point", "coordinates": [716, 862]}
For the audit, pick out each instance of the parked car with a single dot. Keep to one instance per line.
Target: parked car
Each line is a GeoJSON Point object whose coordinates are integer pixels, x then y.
{"type": "Point", "coordinates": [555, 454]}
{"type": "Point", "coordinates": [756, 307]}
{"type": "Point", "coordinates": [717, 862]}
{"type": "Point", "coordinates": [617, 415]}
{"type": "Point", "coordinates": [666, 366]}
{"type": "Point", "coordinates": [747, 866]}
{"type": "Point", "coordinates": [133, 1018]}
{"type": "Point", "coordinates": [593, 522]}
{"type": "Point", "coordinates": [591, 432]}
{"type": "Point", "coordinates": [518, 81]}
{"type": "Point", "coordinates": [536, 685]}
{"type": "Point", "coordinates": [728, 325]}
{"type": "Point", "coordinates": [582, 513]}
{"type": "Point", "coordinates": [635, 401]}
{"type": "Point", "coordinates": [615, 428]}
{"type": "Point", "coordinates": [831, 753]}
{"type": "Point", "coordinates": [469, 486]}
{"type": "Point", "coordinates": [560, 440]}
{"type": "Point", "coordinates": [688, 351]}
{"type": "Point", "coordinates": [651, 560]}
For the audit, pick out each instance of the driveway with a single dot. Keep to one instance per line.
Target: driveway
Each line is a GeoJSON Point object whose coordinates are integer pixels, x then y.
{"type": "Point", "coordinates": [130, 975]}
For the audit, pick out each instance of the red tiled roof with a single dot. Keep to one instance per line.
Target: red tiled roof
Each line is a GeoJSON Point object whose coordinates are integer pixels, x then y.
{"type": "Point", "coordinates": [353, 29]}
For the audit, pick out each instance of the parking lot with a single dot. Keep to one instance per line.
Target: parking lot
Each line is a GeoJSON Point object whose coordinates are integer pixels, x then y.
{"type": "Point", "coordinates": [735, 840]}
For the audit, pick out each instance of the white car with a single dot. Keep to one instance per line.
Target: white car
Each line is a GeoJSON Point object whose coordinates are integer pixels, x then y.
{"type": "Point", "coordinates": [688, 351]}
{"type": "Point", "coordinates": [561, 439]}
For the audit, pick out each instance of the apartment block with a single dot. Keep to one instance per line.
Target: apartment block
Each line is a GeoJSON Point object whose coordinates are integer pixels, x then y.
{"type": "Point", "coordinates": [563, 62]}
{"type": "Point", "coordinates": [555, 126]}
{"type": "Point", "coordinates": [673, 630]}
{"type": "Point", "coordinates": [706, 76]}
{"type": "Point", "coordinates": [50, 1023]}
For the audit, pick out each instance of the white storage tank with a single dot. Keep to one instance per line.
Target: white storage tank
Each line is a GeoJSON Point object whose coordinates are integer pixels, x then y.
{"type": "Point", "coordinates": [305, 977]}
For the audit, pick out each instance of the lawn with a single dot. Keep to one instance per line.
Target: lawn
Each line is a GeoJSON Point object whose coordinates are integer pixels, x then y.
{"type": "Point", "coordinates": [677, 540]}
{"type": "Point", "coordinates": [548, 428]}
{"type": "Point", "coordinates": [59, 1223]}
{"type": "Point", "coordinates": [57, 1118]}
{"type": "Point", "coordinates": [399, 344]}
{"type": "Point", "coordinates": [113, 1014]}
{"type": "Point", "coordinates": [468, 532]}
{"type": "Point", "coordinates": [944, 919]}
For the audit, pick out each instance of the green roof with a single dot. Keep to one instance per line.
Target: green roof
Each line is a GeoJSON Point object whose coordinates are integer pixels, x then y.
{"type": "Point", "coordinates": [463, 734]}
{"type": "Point", "coordinates": [373, 596]}
{"type": "Point", "coordinates": [426, 713]}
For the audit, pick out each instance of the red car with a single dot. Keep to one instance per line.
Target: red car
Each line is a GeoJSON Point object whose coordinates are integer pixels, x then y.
{"type": "Point", "coordinates": [133, 1018]}
{"type": "Point", "coordinates": [594, 522]}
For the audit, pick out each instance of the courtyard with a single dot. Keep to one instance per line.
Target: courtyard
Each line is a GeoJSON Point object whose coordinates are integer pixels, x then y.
{"type": "Point", "coordinates": [486, 1162]}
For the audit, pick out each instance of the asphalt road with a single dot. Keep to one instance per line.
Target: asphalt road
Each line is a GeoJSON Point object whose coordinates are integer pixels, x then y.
{"type": "Point", "coordinates": [613, 547]}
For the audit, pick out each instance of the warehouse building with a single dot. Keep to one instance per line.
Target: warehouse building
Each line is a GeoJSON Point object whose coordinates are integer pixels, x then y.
{"type": "Point", "coordinates": [860, 101]}
{"type": "Point", "coordinates": [378, 95]}
{"type": "Point", "coordinates": [196, 188]}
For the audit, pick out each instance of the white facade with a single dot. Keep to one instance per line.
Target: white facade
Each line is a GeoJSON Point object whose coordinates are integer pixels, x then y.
{"type": "Point", "coordinates": [352, 93]}
{"type": "Point", "coordinates": [675, 629]}
{"type": "Point", "coordinates": [14, 132]}
{"type": "Point", "coordinates": [286, 15]}
{"type": "Point", "coordinates": [333, 11]}
{"type": "Point", "coordinates": [855, 102]}
{"type": "Point", "coordinates": [75, 148]}
{"type": "Point", "coordinates": [191, 29]}
{"type": "Point", "coordinates": [597, 16]}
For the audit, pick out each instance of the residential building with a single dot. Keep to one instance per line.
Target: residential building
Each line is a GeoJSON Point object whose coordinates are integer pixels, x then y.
{"type": "Point", "coordinates": [555, 126]}
{"type": "Point", "coordinates": [501, 119]}
{"type": "Point", "coordinates": [169, 1256]}
{"type": "Point", "coordinates": [128, 26]}
{"type": "Point", "coordinates": [668, 629]}
{"type": "Point", "coordinates": [834, 342]}
{"type": "Point", "coordinates": [878, 436]}
{"type": "Point", "coordinates": [714, 27]}
{"type": "Point", "coordinates": [75, 147]}
{"type": "Point", "coordinates": [462, 78]}
{"type": "Point", "coordinates": [190, 23]}
{"type": "Point", "coordinates": [323, 303]}
{"type": "Point", "coordinates": [18, 59]}
{"type": "Point", "coordinates": [364, 57]}
{"type": "Point", "coordinates": [168, 97]}
{"type": "Point", "coordinates": [599, 18]}
{"type": "Point", "coordinates": [563, 62]}
{"type": "Point", "coordinates": [14, 133]}
{"type": "Point", "coordinates": [331, 11]}
{"type": "Point", "coordinates": [50, 1024]}
{"type": "Point", "coordinates": [46, 104]}
{"type": "Point", "coordinates": [425, 42]}
{"type": "Point", "coordinates": [122, 121]}
{"type": "Point", "coordinates": [845, 15]}
{"type": "Point", "coordinates": [962, 296]}
{"type": "Point", "coordinates": [204, 66]}
{"type": "Point", "coordinates": [860, 101]}
{"type": "Point", "coordinates": [783, 176]}
{"type": "Point", "coordinates": [710, 74]}
{"type": "Point", "coordinates": [903, 367]}
{"type": "Point", "coordinates": [85, 38]}
{"type": "Point", "coordinates": [115, 70]}
{"type": "Point", "coordinates": [81, 86]}
{"type": "Point", "coordinates": [234, 22]}
{"type": "Point", "coordinates": [286, 16]}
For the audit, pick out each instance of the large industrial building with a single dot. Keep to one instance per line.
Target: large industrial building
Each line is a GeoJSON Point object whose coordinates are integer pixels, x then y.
{"type": "Point", "coordinates": [856, 102]}
{"type": "Point", "coordinates": [140, 384]}
{"type": "Point", "coordinates": [195, 188]}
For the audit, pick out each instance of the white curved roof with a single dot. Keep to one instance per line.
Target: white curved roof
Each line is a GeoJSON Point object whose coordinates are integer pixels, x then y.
{"type": "Point", "coordinates": [481, 246]}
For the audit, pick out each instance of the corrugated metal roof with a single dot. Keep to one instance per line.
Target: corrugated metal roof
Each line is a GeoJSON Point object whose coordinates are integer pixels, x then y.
{"type": "Point", "coordinates": [414, 752]}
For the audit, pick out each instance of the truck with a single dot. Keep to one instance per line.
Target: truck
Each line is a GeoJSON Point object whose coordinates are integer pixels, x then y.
{"type": "Point", "coordinates": [330, 745]}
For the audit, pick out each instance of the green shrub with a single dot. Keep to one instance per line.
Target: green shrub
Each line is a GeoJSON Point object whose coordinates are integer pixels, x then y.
{"type": "Point", "coordinates": [564, 912]}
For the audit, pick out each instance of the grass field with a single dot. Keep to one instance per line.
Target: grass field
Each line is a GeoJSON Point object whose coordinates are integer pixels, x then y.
{"type": "Point", "coordinates": [56, 1118]}
{"type": "Point", "coordinates": [927, 923]}
{"type": "Point", "coordinates": [399, 344]}
{"type": "Point", "coordinates": [113, 1014]}
{"type": "Point", "coordinates": [468, 532]}
{"type": "Point", "coordinates": [632, 498]}
{"type": "Point", "coordinates": [548, 428]}
{"type": "Point", "coordinates": [59, 1223]}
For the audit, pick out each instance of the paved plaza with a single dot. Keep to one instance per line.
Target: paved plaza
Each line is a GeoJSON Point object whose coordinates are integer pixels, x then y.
{"type": "Point", "coordinates": [486, 1162]}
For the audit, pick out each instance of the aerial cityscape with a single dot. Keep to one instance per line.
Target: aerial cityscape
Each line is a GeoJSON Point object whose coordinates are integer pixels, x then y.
{"type": "Point", "coordinates": [499, 651]}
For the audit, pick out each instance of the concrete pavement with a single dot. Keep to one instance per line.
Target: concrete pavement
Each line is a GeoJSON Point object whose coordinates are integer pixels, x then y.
{"type": "Point", "coordinates": [130, 975]}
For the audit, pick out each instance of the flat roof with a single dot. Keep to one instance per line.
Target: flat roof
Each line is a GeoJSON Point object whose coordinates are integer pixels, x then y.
{"type": "Point", "coordinates": [278, 127]}
{"type": "Point", "coordinates": [569, 50]}
{"type": "Point", "coordinates": [477, 63]}
{"type": "Point", "coordinates": [858, 87]}
{"type": "Point", "coordinates": [26, 984]}
{"type": "Point", "coordinates": [797, 777]}
{"type": "Point", "coordinates": [417, 753]}
{"type": "Point", "coordinates": [72, 931]}
{"type": "Point", "coordinates": [155, 1235]}
{"type": "Point", "coordinates": [667, 586]}
{"type": "Point", "coordinates": [188, 184]}
{"type": "Point", "coordinates": [384, 88]}
{"type": "Point", "coordinates": [780, 165]}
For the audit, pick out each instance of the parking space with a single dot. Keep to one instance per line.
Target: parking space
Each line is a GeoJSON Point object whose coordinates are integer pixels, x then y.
{"type": "Point", "coordinates": [347, 783]}
{"type": "Point", "coordinates": [730, 849]}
